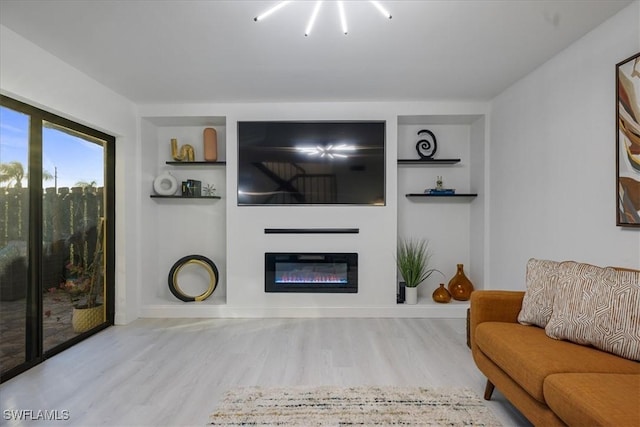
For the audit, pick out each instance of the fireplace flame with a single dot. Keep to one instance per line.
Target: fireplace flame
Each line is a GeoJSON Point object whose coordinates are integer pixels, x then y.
{"type": "Point", "coordinates": [294, 277]}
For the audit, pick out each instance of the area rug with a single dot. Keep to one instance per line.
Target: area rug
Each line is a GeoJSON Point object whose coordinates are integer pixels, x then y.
{"type": "Point", "coordinates": [352, 406]}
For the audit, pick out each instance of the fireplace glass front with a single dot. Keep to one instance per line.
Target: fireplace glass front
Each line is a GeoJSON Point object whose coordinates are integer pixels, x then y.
{"type": "Point", "coordinates": [311, 272]}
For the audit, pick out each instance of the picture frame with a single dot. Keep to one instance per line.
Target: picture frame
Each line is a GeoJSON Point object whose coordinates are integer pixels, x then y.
{"type": "Point", "coordinates": [628, 142]}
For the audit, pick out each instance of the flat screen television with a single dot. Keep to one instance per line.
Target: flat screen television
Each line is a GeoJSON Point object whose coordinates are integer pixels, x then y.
{"type": "Point", "coordinates": [311, 163]}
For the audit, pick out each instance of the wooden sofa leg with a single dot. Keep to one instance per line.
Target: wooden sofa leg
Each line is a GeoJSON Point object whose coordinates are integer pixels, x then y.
{"type": "Point", "coordinates": [488, 390]}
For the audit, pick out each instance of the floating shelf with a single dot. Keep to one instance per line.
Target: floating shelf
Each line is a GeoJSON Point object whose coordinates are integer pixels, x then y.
{"type": "Point", "coordinates": [428, 162]}
{"type": "Point", "coordinates": [157, 196]}
{"type": "Point", "coordinates": [198, 163]}
{"type": "Point", "coordinates": [443, 196]}
{"type": "Point", "coordinates": [311, 230]}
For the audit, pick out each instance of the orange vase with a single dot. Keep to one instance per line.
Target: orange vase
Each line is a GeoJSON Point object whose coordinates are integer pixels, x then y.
{"type": "Point", "coordinates": [441, 294]}
{"type": "Point", "coordinates": [210, 141]}
{"type": "Point", "coordinates": [460, 286]}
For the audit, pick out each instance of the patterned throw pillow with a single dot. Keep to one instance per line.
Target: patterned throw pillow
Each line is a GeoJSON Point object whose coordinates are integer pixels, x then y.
{"type": "Point", "coordinates": [542, 281]}
{"type": "Point", "coordinates": [599, 307]}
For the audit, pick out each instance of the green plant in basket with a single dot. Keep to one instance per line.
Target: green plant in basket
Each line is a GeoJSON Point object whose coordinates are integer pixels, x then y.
{"type": "Point", "coordinates": [82, 284]}
{"type": "Point", "coordinates": [412, 259]}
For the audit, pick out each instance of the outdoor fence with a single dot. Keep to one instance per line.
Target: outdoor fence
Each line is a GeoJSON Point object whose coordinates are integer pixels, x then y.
{"type": "Point", "coordinates": [69, 225]}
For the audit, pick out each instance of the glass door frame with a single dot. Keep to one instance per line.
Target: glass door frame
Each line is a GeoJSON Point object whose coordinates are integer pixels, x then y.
{"type": "Point", "coordinates": [34, 335]}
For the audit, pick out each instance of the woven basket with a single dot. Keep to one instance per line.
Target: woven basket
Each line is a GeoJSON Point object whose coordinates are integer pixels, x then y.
{"type": "Point", "coordinates": [84, 319]}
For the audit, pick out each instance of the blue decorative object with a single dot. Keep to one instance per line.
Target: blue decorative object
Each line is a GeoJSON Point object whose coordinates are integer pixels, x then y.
{"type": "Point", "coordinates": [440, 192]}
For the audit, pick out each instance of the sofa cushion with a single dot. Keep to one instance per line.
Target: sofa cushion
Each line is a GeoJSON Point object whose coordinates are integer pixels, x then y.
{"type": "Point", "coordinates": [598, 306]}
{"type": "Point", "coordinates": [528, 355]}
{"type": "Point", "coordinates": [541, 281]}
{"type": "Point", "coordinates": [594, 399]}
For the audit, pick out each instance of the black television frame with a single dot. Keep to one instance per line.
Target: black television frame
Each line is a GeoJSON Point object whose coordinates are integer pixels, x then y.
{"type": "Point", "coordinates": [383, 122]}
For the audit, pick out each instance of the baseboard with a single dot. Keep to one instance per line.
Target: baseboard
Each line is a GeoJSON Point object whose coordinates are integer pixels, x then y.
{"type": "Point", "coordinates": [194, 310]}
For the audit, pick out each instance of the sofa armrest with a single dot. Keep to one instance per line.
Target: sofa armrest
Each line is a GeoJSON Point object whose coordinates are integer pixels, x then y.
{"type": "Point", "coordinates": [493, 306]}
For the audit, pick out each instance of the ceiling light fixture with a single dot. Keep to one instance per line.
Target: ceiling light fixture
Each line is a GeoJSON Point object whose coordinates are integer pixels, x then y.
{"type": "Point", "coordinates": [382, 10]}
{"type": "Point", "coordinates": [343, 18]}
{"type": "Point", "coordinates": [273, 9]}
{"type": "Point", "coordinates": [331, 151]}
{"type": "Point", "coordinates": [316, 10]}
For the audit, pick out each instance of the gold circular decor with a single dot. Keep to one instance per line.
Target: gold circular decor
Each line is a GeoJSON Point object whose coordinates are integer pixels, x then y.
{"type": "Point", "coordinates": [200, 260]}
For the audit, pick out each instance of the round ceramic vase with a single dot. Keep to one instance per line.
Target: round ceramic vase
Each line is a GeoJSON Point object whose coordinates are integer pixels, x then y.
{"type": "Point", "coordinates": [460, 287]}
{"type": "Point", "coordinates": [441, 294]}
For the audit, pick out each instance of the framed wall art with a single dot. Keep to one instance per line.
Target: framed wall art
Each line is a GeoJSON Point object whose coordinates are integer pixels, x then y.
{"type": "Point", "coordinates": [628, 142]}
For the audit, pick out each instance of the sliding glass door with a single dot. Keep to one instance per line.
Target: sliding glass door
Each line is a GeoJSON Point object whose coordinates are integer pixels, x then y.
{"type": "Point", "coordinates": [56, 234]}
{"type": "Point", "coordinates": [14, 237]}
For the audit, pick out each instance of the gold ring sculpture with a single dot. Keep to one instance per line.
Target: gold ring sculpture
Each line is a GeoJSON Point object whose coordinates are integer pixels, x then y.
{"type": "Point", "coordinates": [203, 262]}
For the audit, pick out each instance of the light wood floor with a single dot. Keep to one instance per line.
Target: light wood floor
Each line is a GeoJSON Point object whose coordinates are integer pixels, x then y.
{"type": "Point", "coordinates": [173, 372]}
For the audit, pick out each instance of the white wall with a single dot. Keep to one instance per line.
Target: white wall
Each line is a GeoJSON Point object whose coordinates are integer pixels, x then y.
{"type": "Point", "coordinates": [247, 242]}
{"type": "Point", "coordinates": [552, 164]}
{"type": "Point", "coordinates": [544, 172]}
{"type": "Point", "coordinates": [34, 76]}
{"type": "Point", "coordinates": [242, 293]}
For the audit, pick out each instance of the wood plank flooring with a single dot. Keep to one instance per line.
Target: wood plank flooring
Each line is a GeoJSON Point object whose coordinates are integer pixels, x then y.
{"type": "Point", "coordinates": [173, 372]}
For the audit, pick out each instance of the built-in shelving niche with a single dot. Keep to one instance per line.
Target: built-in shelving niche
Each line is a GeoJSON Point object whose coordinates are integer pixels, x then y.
{"type": "Point", "coordinates": [176, 226]}
{"type": "Point", "coordinates": [453, 223]}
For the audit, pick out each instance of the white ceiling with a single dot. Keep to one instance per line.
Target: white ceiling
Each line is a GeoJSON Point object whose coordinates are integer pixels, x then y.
{"type": "Point", "coordinates": [212, 51]}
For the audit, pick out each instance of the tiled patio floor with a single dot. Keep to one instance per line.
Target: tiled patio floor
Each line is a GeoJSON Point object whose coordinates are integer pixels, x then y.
{"type": "Point", "coordinates": [56, 327]}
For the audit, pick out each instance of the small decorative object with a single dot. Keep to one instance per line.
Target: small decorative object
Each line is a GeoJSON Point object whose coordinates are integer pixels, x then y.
{"type": "Point", "coordinates": [165, 184]}
{"type": "Point", "coordinates": [401, 295]}
{"type": "Point", "coordinates": [412, 260]}
{"type": "Point", "coordinates": [440, 190]}
{"type": "Point", "coordinates": [203, 262]}
{"type": "Point", "coordinates": [191, 188]}
{"type": "Point", "coordinates": [186, 154]}
{"type": "Point", "coordinates": [628, 142]}
{"type": "Point", "coordinates": [441, 294]}
{"type": "Point", "coordinates": [209, 190]}
{"type": "Point", "coordinates": [426, 149]}
{"type": "Point", "coordinates": [210, 142]}
{"type": "Point", "coordinates": [460, 287]}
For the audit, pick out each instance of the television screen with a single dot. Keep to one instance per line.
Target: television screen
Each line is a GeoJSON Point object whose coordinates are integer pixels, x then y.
{"type": "Point", "coordinates": [311, 163]}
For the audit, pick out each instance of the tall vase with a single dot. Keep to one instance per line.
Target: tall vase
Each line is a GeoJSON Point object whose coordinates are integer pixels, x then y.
{"type": "Point", "coordinates": [210, 142]}
{"type": "Point", "coordinates": [411, 295]}
{"type": "Point", "coordinates": [460, 287]}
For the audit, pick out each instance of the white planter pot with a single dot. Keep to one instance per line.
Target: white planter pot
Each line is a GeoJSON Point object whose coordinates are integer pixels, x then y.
{"type": "Point", "coordinates": [411, 295]}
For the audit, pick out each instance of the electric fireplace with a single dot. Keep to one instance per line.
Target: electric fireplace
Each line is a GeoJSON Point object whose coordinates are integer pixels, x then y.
{"type": "Point", "coordinates": [311, 272]}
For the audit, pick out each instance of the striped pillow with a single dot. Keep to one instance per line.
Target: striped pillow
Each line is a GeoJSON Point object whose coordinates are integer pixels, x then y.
{"type": "Point", "coordinates": [542, 280]}
{"type": "Point", "coordinates": [599, 307]}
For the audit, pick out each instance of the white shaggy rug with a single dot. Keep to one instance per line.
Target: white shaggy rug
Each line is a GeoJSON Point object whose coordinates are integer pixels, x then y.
{"type": "Point", "coordinates": [352, 406]}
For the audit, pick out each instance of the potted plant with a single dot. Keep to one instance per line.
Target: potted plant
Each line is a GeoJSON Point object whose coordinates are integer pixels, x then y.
{"type": "Point", "coordinates": [84, 284]}
{"type": "Point", "coordinates": [412, 260]}
{"type": "Point", "coordinates": [80, 286]}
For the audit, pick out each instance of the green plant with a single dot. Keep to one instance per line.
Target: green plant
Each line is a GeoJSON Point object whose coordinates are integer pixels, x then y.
{"type": "Point", "coordinates": [84, 282]}
{"type": "Point", "coordinates": [81, 285]}
{"type": "Point", "coordinates": [412, 260]}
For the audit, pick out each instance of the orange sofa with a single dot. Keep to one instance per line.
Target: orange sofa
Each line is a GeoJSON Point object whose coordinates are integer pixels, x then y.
{"type": "Point", "coordinates": [555, 382]}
